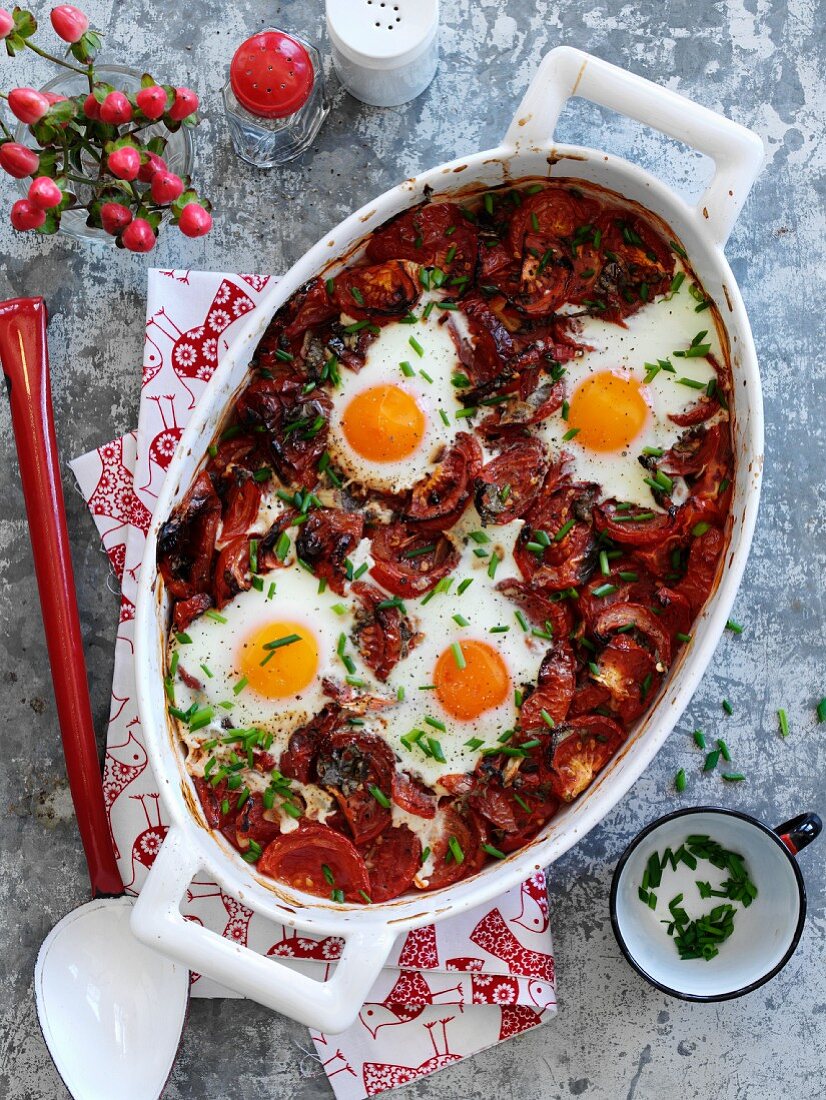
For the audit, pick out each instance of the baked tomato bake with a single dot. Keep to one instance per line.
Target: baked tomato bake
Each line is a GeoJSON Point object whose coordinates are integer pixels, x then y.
{"type": "Point", "coordinates": [450, 540]}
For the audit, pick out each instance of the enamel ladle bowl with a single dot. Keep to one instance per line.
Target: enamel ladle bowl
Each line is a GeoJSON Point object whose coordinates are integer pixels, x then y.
{"type": "Point", "coordinates": [111, 1010]}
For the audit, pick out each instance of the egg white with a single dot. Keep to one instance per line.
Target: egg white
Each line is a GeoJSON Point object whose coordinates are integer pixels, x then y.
{"type": "Point", "coordinates": [382, 366]}
{"type": "Point", "coordinates": [653, 333]}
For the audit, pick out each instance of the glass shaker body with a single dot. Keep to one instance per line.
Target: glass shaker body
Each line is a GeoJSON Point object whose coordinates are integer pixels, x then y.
{"type": "Point", "coordinates": [275, 98]}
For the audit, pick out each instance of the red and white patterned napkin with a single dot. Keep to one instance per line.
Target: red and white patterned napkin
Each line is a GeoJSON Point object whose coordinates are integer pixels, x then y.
{"type": "Point", "coordinates": [448, 990]}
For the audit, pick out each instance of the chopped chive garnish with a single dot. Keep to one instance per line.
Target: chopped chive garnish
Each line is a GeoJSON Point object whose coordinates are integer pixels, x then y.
{"type": "Point", "coordinates": [419, 551]}
{"type": "Point", "coordinates": [821, 711]}
{"type": "Point", "coordinates": [328, 874]}
{"type": "Point", "coordinates": [680, 780]}
{"type": "Point", "coordinates": [239, 687]}
{"type": "Point", "coordinates": [605, 590]}
{"type": "Point", "coordinates": [520, 618]}
{"type": "Point", "coordinates": [207, 672]}
{"type": "Point", "coordinates": [710, 762]}
{"type": "Point", "coordinates": [699, 739]}
{"type": "Point", "coordinates": [460, 620]}
{"type": "Point", "coordinates": [494, 562]}
{"type": "Point", "coordinates": [210, 614]}
{"type": "Point", "coordinates": [685, 638]}
{"type": "Point", "coordinates": [724, 749]}
{"type": "Point", "coordinates": [463, 587]}
{"type": "Point", "coordinates": [425, 855]}
{"type": "Point", "coordinates": [379, 796]}
{"type": "Point", "coordinates": [436, 724]}
{"type": "Point", "coordinates": [458, 656]}
{"type": "Point", "coordinates": [456, 849]}
{"type": "Point", "coordinates": [491, 851]}
{"type": "Point", "coordinates": [727, 707]}
{"type": "Point", "coordinates": [417, 347]}
{"type": "Point", "coordinates": [546, 718]}
{"type": "Point", "coordinates": [733, 777]}
{"type": "Point", "coordinates": [436, 750]}
{"type": "Point", "coordinates": [406, 369]}
{"type": "Point", "coordinates": [734, 627]}
{"type": "Point", "coordinates": [783, 722]}
{"type": "Point", "coordinates": [444, 417]}
{"type": "Point", "coordinates": [563, 530]}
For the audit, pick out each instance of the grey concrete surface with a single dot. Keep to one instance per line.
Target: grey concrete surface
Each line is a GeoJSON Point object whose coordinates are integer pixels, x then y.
{"type": "Point", "coordinates": [759, 61]}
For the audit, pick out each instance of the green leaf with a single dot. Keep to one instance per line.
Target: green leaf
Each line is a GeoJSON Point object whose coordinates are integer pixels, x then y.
{"type": "Point", "coordinates": [191, 120]}
{"type": "Point", "coordinates": [101, 90]}
{"type": "Point", "coordinates": [48, 163]}
{"type": "Point", "coordinates": [182, 200]}
{"type": "Point", "coordinates": [25, 23]}
{"type": "Point", "coordinates": [14, 44]}
{"type": "Point", "coordinates": [62, 112]}
{"type": "Point", "coordinates": [51, 224]}
{"type": "Point", "coordinates": [156, 145]}
{"type": "Point", "coordinates": [147, 81]}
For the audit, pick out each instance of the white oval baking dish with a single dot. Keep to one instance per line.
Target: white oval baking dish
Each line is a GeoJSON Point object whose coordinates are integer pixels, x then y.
{"type": "Point", "coordinates": [528, 149]}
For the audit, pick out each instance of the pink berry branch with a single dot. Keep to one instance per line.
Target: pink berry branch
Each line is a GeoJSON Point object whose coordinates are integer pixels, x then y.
{"type": "Point", "coordinates": [90, 153]}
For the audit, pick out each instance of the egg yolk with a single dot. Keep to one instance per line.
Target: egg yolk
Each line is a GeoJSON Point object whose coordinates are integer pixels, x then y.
{"type": "Point", "coordinates": [608, 410]}
{"type": "Point", "coordinates": [383, 424]}
{"type": "Point", "coordinates": [286, 668]}
{"type": "Point", "coordinates": [481, 684]}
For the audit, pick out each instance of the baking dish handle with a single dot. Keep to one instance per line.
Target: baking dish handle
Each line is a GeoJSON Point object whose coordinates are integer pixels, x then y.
{"type": "Point", "coordinates": [738, 153]}
{"type": "Point", "coordinates": [329, 1006]}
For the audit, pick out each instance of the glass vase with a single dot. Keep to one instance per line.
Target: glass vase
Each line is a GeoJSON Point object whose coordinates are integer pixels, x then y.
{"type": "Point", "coordinates": [179, 154]}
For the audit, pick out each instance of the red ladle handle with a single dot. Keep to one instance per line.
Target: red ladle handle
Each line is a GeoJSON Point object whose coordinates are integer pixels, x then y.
{"type": "Point", "coordinates": [25, 360]}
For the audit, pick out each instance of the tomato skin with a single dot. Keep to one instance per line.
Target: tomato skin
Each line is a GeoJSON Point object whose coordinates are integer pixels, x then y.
{"type": "Point", "coordinates": [392, 861]}
{"type": "Point", "coordinates": [620, 616]}
{"type": "Point", "coordinates": [240, 509]}
{"type": "Point", "coordinates": [272, 404]}
{"type": "Point", "coordinates": [252, 823]}
{"type": "Point", "coordinates": [627, 532]}
{"type": "Point", "coordinates": [325, 542]}
{"type": "Point", "coordinates": [554, 688]}
{"type": "Point", "coordinates": [187, 611]}
{"type": "Point", "coordinates": [389, 288]}
{"type": "Point", "coordinates": [623, 668]}
{"type": "Point", "coordinates": [186, 541]}
{"type": "Point", "coordinates": [587, 744]}
{"type": "Point", "coordinates": [508, 484]}
{"type": "Point", "coordinates": [231, 573]}
{"type": "Point", "coordinates": [702, 568]}
{"type": "Point", "coordinates": [421, 235]}
{"type": "Point", "coordinates": [297, 859]}
{"type": "Point", "coordinates": [439, 499]}
{"type": "Point", "coordinates": [297, 759]}
{"type": "Point", "coordinates": [538, 608]}
{"type": "Point", "coordinates": [383, 635]}
{"type": "Point", "coordinates": [412, 796]}
{"type": "Point", "coordinates": [446, 870]}
{"type": "Point", "coordinates": [347, 765]}
{"type": "Point", "coordinates": [414, 575]}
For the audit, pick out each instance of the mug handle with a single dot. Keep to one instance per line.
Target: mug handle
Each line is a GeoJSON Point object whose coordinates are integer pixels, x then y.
{"type": "Point", "coordinates": [799, 831]}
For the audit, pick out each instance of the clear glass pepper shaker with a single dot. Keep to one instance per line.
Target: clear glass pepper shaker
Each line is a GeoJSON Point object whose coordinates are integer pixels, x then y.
{"type": "Point", "coordinates": [274, 98]}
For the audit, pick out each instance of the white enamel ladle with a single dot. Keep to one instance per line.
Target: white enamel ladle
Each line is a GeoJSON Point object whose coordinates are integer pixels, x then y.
{"type": "Point", "coordinates": [111, 1010]}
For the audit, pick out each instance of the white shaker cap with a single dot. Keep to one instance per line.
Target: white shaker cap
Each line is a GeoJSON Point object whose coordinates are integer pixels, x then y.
{"type": "Point", "coordinates": [384, 51]}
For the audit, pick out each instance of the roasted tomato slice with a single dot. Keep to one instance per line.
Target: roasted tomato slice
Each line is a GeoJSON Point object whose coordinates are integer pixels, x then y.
{"type": "Point", "coordinates": [632, 526]}
{"type": "Point", "coordinates": [187, 611]}
{"type": "Point", "coordinates": [412, 796]}
{"type": "Point", "coordinates": [252, 823]}
{"type": "Point", "coordinates": [588, 697]}
{"type": "Point", "coordinates": [554, 688]}
{"type": "Point", "coordinates": [212, 799]}
{"type": "Point", "coordinates": [231, 573]}
{"type": "Point", "coordinates": [508, 484]}
{"type": "Point", "coordinates": [391, 287]}
{"type": "Point", "coordinates": [538, 609]}
{"type": "Point", "coordinates": [625, 616]}
{"type": "Point", "coordinates": [297, 759]}
{"type": "Point", "coordinates": [310, 306]}
{"type": "Point", "coordinates": [587, 744]}
{"type": "Point", "coordinates": [410, 562]}
{"type": "Point", "coordinates": [426, 236]}
{"type": "Point", "coordinates": [439, 499]}
{"type": "Point", "coordinates": [240, 509]}
{"type": "Point", "coordinates": [630, 673]}
{"type": "Point", "coordinates": [186, 541]}
{"type": "Point", "coordinates": [703, 410]}
{"type": "Point", "coordinates": [560, 518]}
{"type": "Point", "coordinates": [696, 450]}
{"type": "Point", "coordinates": [383, 634]}
{"type": "Point", "coordinates": [703, 557]}
{"type": "Point", "coordinates": [357, 770]}
{"type": "Point", "coordinates": [310, 856]}
{"type": "Point", "coordinates": [295, 423]}
{"type": "Point", "coordinates": [553, 212]}
{"type": "Point", "coordinates": [392, 861]}
{"type": "Point", "coordinates": [484, 356]}
{"type": "Point", "coordinates": [325, 542]}
{"type": "Point", "coordinates": [447, 869]}
{"type": "Point", "coordinates": [542, 805]}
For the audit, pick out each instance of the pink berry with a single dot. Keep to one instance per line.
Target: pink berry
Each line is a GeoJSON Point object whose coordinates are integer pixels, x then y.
{"type": "Point", "coordinates": [69, 22]}
{"type": "Point", "coordinates": [53, 98]}
{"type": "Point", "coordinates": [6, 23]}
{"type": "Point", "coordinates": [186, 102]}
{"type": "Point", "coordinates": [138, 236]}
{"type": "Point", "coordinates": [28, 105]}
{"type": "Point", "coordinates": [153, 165]}
{"type": "Point", "coordinates": [17, 160]}
{"type": "Point", "coordinates": [45, 193]}
{"type": "Point", "coordinates": [25, 215]}
{"type": "Point", "coordinates": [194, 220]}
{"type": "Point", "coordinates": [91, 107]}
{"type": "Point", "coordinates": [152, 101]}
{"type": "Point", "coordinates": [114, 217]}
{"type": "Point", "coordinates": [116, 109]}
{"type": "Point", "coordinates": [166, 187]}
{"type": "Point", "coordinates": [125, 163]}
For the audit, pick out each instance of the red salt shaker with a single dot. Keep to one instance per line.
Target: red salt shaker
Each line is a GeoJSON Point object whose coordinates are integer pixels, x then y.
{"type": "Point", "coordinates": [275, 98]}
